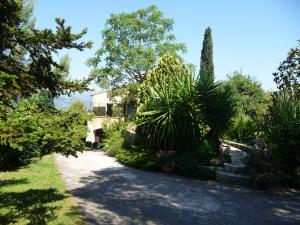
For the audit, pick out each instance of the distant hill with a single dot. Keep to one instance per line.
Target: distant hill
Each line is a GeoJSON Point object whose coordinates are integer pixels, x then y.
{"type": "Point", "coordinates": [64, 101]}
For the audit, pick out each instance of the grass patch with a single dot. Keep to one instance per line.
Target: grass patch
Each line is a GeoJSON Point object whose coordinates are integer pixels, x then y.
{"type": "Point", "coordinates": [35, 194]}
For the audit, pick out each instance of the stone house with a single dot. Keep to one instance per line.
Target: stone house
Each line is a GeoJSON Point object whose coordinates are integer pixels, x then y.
{"type": "Point", "coordinates": [103, 107]}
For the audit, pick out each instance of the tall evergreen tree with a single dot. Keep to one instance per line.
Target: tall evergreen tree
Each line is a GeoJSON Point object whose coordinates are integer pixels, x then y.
{"type": "Point", "coordinates": [30, 76]}
{"type": "Point", "coordinates": [216, 102]}
{"type": "Point", "coordinates": [27, 62]}
{"type": "Point", "coordinates": [206, 61]}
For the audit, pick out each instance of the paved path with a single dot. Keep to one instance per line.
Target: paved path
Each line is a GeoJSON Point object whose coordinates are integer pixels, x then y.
{"type": "Point", "coordinates": [237, 156]}
{"type": "Point", "coordinates": [109, 193]}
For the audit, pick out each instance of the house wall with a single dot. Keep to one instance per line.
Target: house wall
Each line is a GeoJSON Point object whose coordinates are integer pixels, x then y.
{"type": "Point", "coordinates": [98, 123]}
{"type": "Point", "coordinates": [101, 99]}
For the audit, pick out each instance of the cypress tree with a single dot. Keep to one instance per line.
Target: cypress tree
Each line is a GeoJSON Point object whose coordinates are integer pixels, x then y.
{"type": "Point", "coordinates": [206, 61]}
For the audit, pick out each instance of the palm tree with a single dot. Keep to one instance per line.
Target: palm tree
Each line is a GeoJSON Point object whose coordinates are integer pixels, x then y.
{"type": "Point", "coordinates": [217, 106]}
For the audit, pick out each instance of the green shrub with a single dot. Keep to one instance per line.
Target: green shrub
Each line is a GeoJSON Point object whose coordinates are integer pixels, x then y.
{"type": "Point", "coordinates": [113, 144]}
{"type": "Point", "coordinates": [31, 131]}
{"type": "Point", "coordinates": [117, 111]}
{"type": "Point", "coordinates": [130, 155]}
{"type": "Point", "coordinates": [96, 145]}
{"type": "Point", "coordinates": [194, 163]}
{"type": "Point", "coordinates": [282, 134]}
{"type": "Point", "coordinates": [138, 158]}
{"type": "Point", "coordinates": [187, 165]}
{"type": "Point", "coordinates": [89, 144]}
{"type": "Point", "coordinates": [251, 103]}
{"type": "Point", "coordinates": [261, 169]}
{"type": "Point", "coordinates": [165, 156]}
{"type": "Point", "coordinates": [243, 129]}
{"type": "Point", "coordinates": [204, 152]}
{"type": "Point", "coordinates": [118, 127]}
{"type": "Point", "coordinates": [11, 159]}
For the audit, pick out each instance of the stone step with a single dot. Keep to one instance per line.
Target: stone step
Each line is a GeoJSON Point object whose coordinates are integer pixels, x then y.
{"type": "Point", "coordinates": [232, 178]}
{"type": "Point", "coordinates": [234, 168]}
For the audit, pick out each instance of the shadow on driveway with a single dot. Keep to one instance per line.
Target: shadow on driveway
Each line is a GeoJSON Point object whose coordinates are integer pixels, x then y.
{"type": "Point", "coordinates": [121, 195]}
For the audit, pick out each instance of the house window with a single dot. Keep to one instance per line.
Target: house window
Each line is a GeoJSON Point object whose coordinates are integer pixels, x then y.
{"type": "Point", "coordinates": [99, 135]}
{"type": "Point", "coordinates": [130, 109]}
{"type": "Point", "coordinates": [109, 109]}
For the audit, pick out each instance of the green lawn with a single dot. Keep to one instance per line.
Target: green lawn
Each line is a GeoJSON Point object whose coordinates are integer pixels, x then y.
{"type": "Point", "coordinates": [35, 194]}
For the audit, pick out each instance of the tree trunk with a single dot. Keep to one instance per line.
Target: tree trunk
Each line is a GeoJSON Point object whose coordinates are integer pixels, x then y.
{"type": "Point", "coordinates": [216, 144]}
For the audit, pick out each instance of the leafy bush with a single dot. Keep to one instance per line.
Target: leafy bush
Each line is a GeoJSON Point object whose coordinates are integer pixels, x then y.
{"type": "Point", "coordinates": [113, 142]}
{"type": "Point", "coordinates": [204, 152]}
{"type": "Point", "coordinates": [138, 158]}
{"type": "Point", "coordinates": [114, 128]}
{"type": "Point", "coordinates": [28, 66]}
{"type": "Point", "coordinates": [263, 173]}
{"type": "Point", "coordinates": [96, 145]}
{"type": "Point", "coordinates": [282, 134]}
{"type": "Point", "coordinates": [135, 156]}
{"type": "Point", "coordinates": [251, 103]}
{"type": "Point", "coordinates": [33, 131]}
{"type": "Point", "coordinates": [187, 165]}
{"type": "Point", "coordinates": [117, 111]}
{"type": "Point", "coordinates": [12, 158]}
{"type": "Point", "coordinates": [165, 156]}
{"type": "Point", "coordinates": [243, 129]}
{"type": "Point", "coordinates": [281, 159]}
{"type": "Point", "coordinates": [89, 144]}
{"type": "Point", "coordinates": [167, 66]}
{"type": "Point", "coordinates": [251, 99]}
{"type": "Point", "coordinates": [194, 163]}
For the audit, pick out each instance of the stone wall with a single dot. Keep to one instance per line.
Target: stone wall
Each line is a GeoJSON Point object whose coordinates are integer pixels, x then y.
{"type": "Point", "coordinates": [97, 123]}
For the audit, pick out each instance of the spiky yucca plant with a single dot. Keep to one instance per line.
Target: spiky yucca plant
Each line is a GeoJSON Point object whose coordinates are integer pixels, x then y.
{"type": "Point", "coordinates": [217, 106]}
{"type": "Point", "coordinates": [167, 116]}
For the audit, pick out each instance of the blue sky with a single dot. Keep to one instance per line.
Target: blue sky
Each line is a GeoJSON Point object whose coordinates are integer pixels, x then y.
{"type": "Point", "coordinates": [252, 36]}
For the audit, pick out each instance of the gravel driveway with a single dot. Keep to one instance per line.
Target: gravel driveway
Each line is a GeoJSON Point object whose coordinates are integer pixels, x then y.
{"type": "Point", "coordinates": [109, 193]}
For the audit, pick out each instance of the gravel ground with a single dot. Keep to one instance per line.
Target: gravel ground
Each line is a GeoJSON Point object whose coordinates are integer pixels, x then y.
{"type": "Point", "coordinates": [109, 193]}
